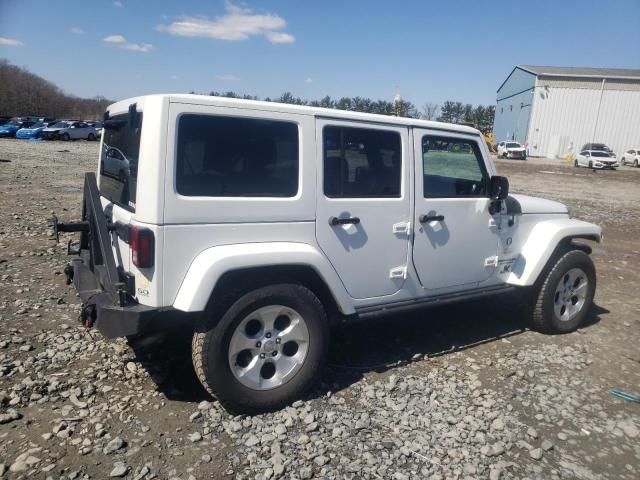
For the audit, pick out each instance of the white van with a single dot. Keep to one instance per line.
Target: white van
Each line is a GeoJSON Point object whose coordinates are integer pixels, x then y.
{"type": "Point", "coordinates": [258, 224]}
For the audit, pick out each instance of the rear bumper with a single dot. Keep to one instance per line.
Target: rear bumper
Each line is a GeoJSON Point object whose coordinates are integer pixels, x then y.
{"type": "Point", "coordinates": [111, 319]}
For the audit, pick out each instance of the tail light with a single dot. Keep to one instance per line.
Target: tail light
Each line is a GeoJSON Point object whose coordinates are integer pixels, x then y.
{"type": "Point", "coordinates": [141, 241]}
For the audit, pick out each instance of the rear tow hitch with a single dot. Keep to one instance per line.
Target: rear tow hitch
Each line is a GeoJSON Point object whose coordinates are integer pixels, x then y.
{"type": "Point", "coordinates": [88, 315]}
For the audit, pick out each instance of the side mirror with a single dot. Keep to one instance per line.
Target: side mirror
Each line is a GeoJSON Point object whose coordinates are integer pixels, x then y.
{"type": "Point", "coordinates": [499, 188]}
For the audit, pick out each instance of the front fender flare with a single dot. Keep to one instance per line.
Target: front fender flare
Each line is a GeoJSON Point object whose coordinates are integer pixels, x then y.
{"type": "Point", "coordinates": [542, 242]}
{"type": "Point", "coordinates": [209, 266]}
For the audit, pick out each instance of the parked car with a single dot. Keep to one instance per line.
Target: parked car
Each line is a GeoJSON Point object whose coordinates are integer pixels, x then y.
{"type": "Point", "coordinates": [595, 159]}
{"type": "Point", "coordinates": [70, 130]}
{"type": "Point", "coordinates": [241, 228]}
{"type": "Point", "coordinates": [631, 157]}
{"type": "Point", "coordinates": [511, 150]}
{"type": "Point", "coordinates": [34, 131]}
{"type": "Point", "coordinates": [4, 119]}
{"type": "Point", "coordinates": [114, 163]}
{"type": "Point", "coordinates": [10, 128]}
{"type": "Point", "coordinates": [97, 126]}
{"type": "Point", "coordinates": [600, 147]}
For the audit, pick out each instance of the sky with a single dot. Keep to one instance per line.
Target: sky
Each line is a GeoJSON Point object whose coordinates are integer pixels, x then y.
{"type": "Point", "coordinates": [428, 51]}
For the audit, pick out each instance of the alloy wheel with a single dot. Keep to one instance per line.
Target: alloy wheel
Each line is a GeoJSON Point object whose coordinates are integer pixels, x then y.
{"type": "Point", "coordinates": [268, 347]}
{"type": "Point", "coordinates": [570, 294]}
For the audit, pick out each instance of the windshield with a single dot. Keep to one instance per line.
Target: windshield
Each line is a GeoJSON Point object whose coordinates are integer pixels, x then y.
{"type": "Point", "coordinates": [599, 154]}
{"type": "Point", "coordinates": [61, 125]}
{"type": "Point", "coordinates": [37, 125]}
{"type": "Point", "coordinates": [14, 123]}
{"type": "Point", "coordinates": [513, 145]}
{"type": "Point", "coordinates": [119, 161]}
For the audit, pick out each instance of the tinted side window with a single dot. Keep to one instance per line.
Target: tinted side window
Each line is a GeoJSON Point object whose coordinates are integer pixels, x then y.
{"type": "Point", "coordinates": [361, 162]}
{"type": "Point", "coordinates": [452, 168]}
{"type": "Point", "coordinates": [236, 157]}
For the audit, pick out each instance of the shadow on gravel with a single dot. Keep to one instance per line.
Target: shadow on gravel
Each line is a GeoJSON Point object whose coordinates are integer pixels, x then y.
{"type": "Point", "coordinates": [392, 341]}
{"type": "Point", "coordinates": [373, 346]}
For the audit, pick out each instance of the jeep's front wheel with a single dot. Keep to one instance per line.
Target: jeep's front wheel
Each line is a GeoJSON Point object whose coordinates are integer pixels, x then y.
{"type": "Point", "coordinates": [565, 294]}
{"type": "Point", "coordinates": [266, 351]}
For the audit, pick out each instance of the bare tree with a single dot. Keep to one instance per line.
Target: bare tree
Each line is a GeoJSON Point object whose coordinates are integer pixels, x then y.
{"type": "Point", "coordinates": [430, 111]}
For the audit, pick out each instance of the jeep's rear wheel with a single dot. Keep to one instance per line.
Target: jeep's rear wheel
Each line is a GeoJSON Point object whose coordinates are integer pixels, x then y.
{"type": "Point", "coordinates": [565, 294]}
{"type": "Point", "coordinates": [266, 351]}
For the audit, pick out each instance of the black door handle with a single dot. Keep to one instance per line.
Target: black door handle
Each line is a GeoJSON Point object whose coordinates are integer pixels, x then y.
{"type": "Point", "coordinates": [335, 221]}
{"type": "Point", "coordinates": [431, 218]}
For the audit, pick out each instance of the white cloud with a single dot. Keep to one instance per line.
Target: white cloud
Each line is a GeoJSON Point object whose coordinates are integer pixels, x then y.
{"type": "Point", "coordinates": [118, 4]}
{"type": "Point", "coordinates": [137, 47]}
{"type": "Point", "coordinates": [227, 77]}
{"type": "Point", "coordinates": [238, 23]}
{"type": "Point", "coordinates": [121, 42]}
{"type": "Point", "coordinates": [308, 80]}
{"type": "Point", "coordinates": [114, 39]}
{"type": "Point", "coordinates": [76, 30]}
{"type": "Point", "coordinates": [280, 37]}
{"type": "Point", "coordinates": [173, 77]}
{"type": "Point", "coordinates": [10, 42]}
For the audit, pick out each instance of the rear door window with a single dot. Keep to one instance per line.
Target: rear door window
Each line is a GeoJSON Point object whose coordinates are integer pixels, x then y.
{"type": "Point", "coordinates": [119, 161]}
{"type": "Point", "coordinates": [361, 163]}
{"type": "Point", "coordinates": [222, 156]}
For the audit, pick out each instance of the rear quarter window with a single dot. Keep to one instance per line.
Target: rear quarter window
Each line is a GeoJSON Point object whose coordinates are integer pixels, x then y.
{"type": "Point", "coordinates": [223, 156]}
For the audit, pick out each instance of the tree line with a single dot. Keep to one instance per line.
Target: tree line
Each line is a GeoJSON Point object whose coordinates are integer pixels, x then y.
{"type": "Point", "coordinates": [23, 93]}
{"type": "Point", "coordinates": [453, 112]}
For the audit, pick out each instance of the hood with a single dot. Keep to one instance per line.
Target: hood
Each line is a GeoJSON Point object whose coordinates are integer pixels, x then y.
{"type": "Point", "coordinates": [51, 129]}
{"type": "Point", "coordinates": [525, 204]}
{"type": "Point", "coordinates": [9, 127]}
{"type": "Point", "coordinates": [515, 149]}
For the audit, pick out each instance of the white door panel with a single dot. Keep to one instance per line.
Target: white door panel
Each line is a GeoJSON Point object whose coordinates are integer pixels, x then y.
{"type": "Point", "coordinates": [456, 239]}
{"type": "Point", "coordinates": [371, 255]}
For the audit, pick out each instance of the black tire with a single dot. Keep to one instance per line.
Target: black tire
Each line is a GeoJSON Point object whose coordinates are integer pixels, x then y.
{"type": "Point", "coordinates": [575, 162]}
{"type": "Point", "coordinates": [91, 137]}
{"type": "Point", "coordinates": [210, 350]}
{"type": "Point", "coordinates": [635, 163]}
{"type": "Point", "coordinates": [65, 137]}
{"type": "Point", "coordinates": [590, 164]}
{"type": "Point", "coordinates": [122, 176]}
{"type": "Point", "coordinates": [544, 318]}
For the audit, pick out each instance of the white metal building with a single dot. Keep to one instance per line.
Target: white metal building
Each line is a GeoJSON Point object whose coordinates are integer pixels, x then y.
{"type": "Point", "coordinates": [555, 110]}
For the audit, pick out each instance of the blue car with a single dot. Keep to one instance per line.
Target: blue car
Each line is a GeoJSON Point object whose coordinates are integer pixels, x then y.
{"type": "Point", "coordinates": [9, 129]}
{"type": "Point", "coordinates": [33, 131]}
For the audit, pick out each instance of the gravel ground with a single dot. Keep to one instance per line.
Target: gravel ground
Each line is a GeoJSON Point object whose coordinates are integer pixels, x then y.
{"type": "Point", "coordinates": [461, 392]}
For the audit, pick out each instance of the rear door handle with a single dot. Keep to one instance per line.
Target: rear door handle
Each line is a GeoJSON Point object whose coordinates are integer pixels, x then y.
{"type": "Point", "coordinates": [335, 221]}
{"type": "Point", "coordinates": [431, 218]}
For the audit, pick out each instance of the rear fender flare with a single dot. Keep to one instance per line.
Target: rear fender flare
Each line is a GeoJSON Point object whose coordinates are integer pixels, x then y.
{"type": "Point", "coordinates": [541, 244]}
{"type": "Point", "coordinates": [211, 264]}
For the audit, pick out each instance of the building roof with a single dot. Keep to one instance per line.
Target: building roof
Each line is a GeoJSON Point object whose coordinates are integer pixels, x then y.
{"type": "Point", "coordinates": [626, 73]}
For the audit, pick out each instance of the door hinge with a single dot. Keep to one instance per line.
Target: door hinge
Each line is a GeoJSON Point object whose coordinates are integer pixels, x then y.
{"type": "Point", "coordinates": [398, 272]}
{"type": "Point", "coordinates": [402, 228]}
{"type": "Point", "coordinates": [491, 261]}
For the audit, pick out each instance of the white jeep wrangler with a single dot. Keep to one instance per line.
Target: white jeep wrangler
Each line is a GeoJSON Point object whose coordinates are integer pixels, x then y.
{"type": "Point", "coordinates": [258, 224]}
